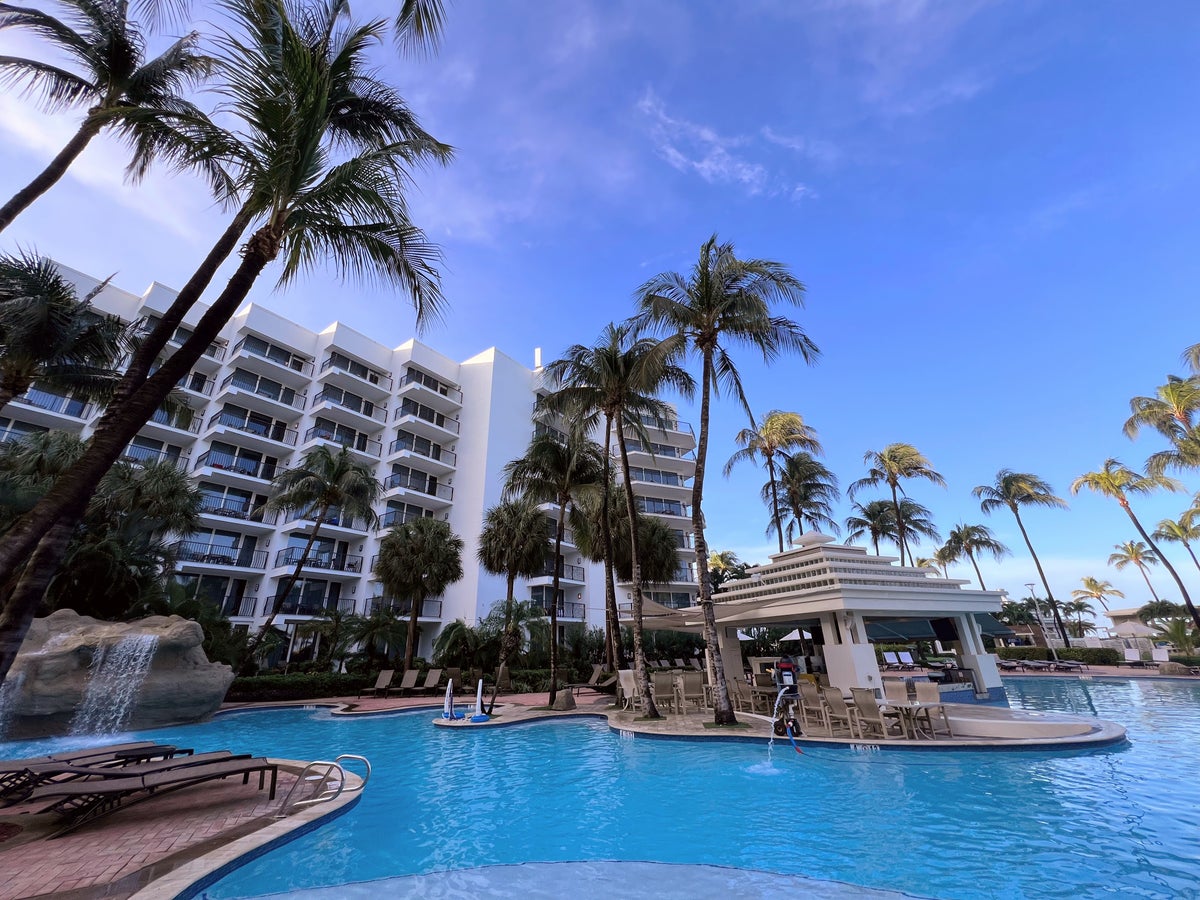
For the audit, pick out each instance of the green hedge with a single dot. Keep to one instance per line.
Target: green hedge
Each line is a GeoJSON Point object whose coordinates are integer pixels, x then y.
{"type": "Point", "coordinates": [1091, 656]}
{"type": "Point", "coordinates": [261, 688]}
{"type": "Point", "coordinates": [1185, 660]}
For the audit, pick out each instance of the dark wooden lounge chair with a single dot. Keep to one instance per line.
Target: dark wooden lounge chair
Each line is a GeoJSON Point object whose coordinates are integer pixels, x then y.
{"type": "Point", "coordinates": [432, 678]}
{"type": "Point", "coordinates": [1010, 665]}
{"type": "Point", "coordinates": [12, 771]}
{"type": "Point", "coordinates": [382, 683]}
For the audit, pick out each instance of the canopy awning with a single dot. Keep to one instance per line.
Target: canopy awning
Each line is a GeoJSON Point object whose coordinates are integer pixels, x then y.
{"type": "Point", "coordinates": [901, 630]}
{"type": "Point", "coordinates": [991, 626]}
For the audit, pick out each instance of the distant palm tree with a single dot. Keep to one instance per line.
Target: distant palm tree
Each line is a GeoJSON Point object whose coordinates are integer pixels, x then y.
{"type": "Point", "coordinates": [1179, 633]}
{"type": "Point", "coordinates": [809, 491]}
{"type": "Point", "coordinates": [875, 520]}
{"type": "Point", "coordinates": [324, 484]}
{"type": "Point", "coordinates": [720, 566]}
{"type": "Point", "coordinates": [1080, 608]}
{"type": "Point", "coordinates": [1135, 553]}
{"type": "Point", "coordinates": [943, 556]}
{"type": "Point", "coordinates": [1095, 589]}
{"type": "Point", "coordinates": [334, 632]}
{"type": "Point", "coordinates": [892, 465]}
{"type": "Point", "coordinates": [1118, 482]}
{"type": "Point", "coordinates": [974, 540]}
{"type": "Point", "coordinates": [779, 434]}
{"type": "Point", "coordinates": [1157, 611]}
{"type": "Point", "coordinates": [1183, 530]}
{"type": "Point", "coordinates": [1015, 490]}
{"type": "Point", "coordinates": [418, 560]}
{"type": "Point", "coordinates": [723, 301]}
{"type": "Point", "coordinates": [1174, 412]}
{"type": "Point", "coordinates": [382, 628]}
{"type": "Point", "coordinates": [556, 470]}
{"type": "Point", "coordinates": [137, 98]}
{"type": "Point", "coordinates": [50, 336]}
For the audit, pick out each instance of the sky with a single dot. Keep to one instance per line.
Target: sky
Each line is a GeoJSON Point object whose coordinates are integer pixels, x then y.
{"type": "Point", "coordinates": [992, 205]}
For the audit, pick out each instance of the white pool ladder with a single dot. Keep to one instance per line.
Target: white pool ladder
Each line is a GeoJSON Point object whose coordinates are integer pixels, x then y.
{"type": "Point", "coordinates": [327, 781]}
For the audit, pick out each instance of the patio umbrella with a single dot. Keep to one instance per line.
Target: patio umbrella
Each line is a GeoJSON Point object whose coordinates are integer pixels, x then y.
{"type": "Point", "coordinates": [793, 635]}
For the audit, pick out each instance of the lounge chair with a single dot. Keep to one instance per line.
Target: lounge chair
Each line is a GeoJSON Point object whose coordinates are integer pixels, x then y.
{"type": "Point", "coordinates": [696, 664]}
{"type": "Point", "coordinates": [1133, 658]}
{"type": "Point", "coordinates": [907, 663]}
{"type": "Point", "coordinates": [597, 671]}
{"type": "Point", "coordinates": [739, 694]}
{"type": "Point", "coordinates": [679, 664]}
{"type": "Point", "coordinates": [927, 692]}
{"type": "Point", "coordinates": [382, 683]}
{"type": "Point", "coordinates": [1038, 665]}
{"type": "Point", "coordinates": [874, 719]}
{"type": "Point", "coordinates": [693, 691]}
{"type": "Point", "coordinates": [408, 682]}
{"type": "Point", "coordinates": [14, 772]}
{"type": "Point", "coordinates": [504, 680]}
{"type": "Point", "coordinates": [811, 707]}
{"type": "Point", "coordinates": [895, 689]}
{"type": "Point", "coordinates": [837, 710]}
{"type": "Point", "coordinates": [79, 802]}
{"type": "Point", "coordinates": [630, 697]}
{"type": "Point", "coordinates": [890, 660]}
{"type": "Point", "coordinates": [1068, 665]}
{"type": "Point", "coordinates": [1160, 655]}
{"type": "Point", "coordinates": [455, 675]}
{"type": "Point", "coordinates": [662, 689]}
{"type": "Point", "coordinates": [1010, 665]}
{"type": "Point", "coordinates": [430, 685]}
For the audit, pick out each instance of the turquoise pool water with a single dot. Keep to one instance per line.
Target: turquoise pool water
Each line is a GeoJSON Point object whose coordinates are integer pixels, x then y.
{"type": "Point", "coordinates": [1117, 822]}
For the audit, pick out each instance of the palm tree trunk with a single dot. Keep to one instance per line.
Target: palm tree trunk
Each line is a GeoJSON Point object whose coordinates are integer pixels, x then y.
{"type": "Point", "coordinates": [978, 574]}
{"type": "Point", "coordinates": [899, 523]}
{"type": "Point", "coordinates": [27, 596]}
{"type": "Point", "coordinates": [775, 498]}
{"type": "Point", "coordinates": [1146, 577]}
{"type": "Point", "coordinates": [1186, 546]}
{"type": "Point", "coordinates": [65, 502]}
{"type": "Point", "coordinates": [1183, 592]}
{"type": "Point", "coordinates": [47, 178]}
{"type": "Point", "coordinates": [612, 620]}
{"type": "Point", "coordinates": [281, 595]}
{"type": "Point", "coordinates": [410, 638]}
{"type": "Point", "coordinates": [563, 500]}
{"type": "Point", "coordinates": [722, 707]}
{"type": "Point", "coordinates": [1062, 630]}
{"type": "Point", "coordinates": [508, 608]}
{"type": "Point", "coordinates": [641, 670]}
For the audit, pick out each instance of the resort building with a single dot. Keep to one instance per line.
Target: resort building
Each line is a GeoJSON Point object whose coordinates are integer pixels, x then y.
{"type": "Point", "coordinates": [437, 433]}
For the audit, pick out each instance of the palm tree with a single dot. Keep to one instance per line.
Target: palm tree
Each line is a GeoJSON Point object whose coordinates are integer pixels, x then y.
{"type": "Point", "coordinates": [943, 556]}
{"type": "Point", "coordinates": [1135, 553]}
{"type": "Point", "coordinates": [49, 335]}
{"type": "Point", "coordinates": [809, 491]}
{"type": "Point", "coordinates": [779, 434]}
{"type": "Point", "coordinates": [512, 543]}
{"type": "Point", "coordinates": [318, 150]}
{"type": "Point", "coordinates": [1158, 611]}
{"type": "Point", "coordinates": [382, 628]}
{"type": "Point", "coordinates": [875, 520]}
{"type": "Point", "coordinates": [324, 483]}
{"type": "Point", "coordinates": [722, 565]}
{"type": "Point", "coordinates": [975, 539]}
{"type": "Point", "coordinates": [618, 379]}
{"type": "Point", "coordinates": [137, 98]}
{"type": "Point", "coordinates": [723, 301]}
{"type": "Point", "coordinates": [891, 465]}
{"type": "Point", "coordinates": [335, 632]}
{"type": "Point", "coordinates": [1179, 633]}
{"type": "Point", "coordinates": [1174, 412]}
{"type": "Point", "coordinates": [419, 560]}
{"type": "Point", "coordinates": [1183, 530]}
{"type": "Point", "coordinates": [1079, 608]}
{"type": "Point", "coordinates": [1118, 482]}
{"type": "Point", "coordinates": [1014, 490]}
{"type": "Point", "coordinates": [556, 470]}
{"type": "Point", "coordinates": [1095, 589]}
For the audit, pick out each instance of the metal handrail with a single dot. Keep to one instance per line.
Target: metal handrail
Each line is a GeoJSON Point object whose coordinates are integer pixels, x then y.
{"type": "Point", "coordinates": [328, 787]}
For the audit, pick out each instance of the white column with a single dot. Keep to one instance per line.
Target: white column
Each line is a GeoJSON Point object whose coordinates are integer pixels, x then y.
{"type": "Point", "coordinates": [852, 663]}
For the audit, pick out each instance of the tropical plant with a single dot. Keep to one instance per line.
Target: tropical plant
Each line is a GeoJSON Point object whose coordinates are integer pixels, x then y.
{"type": "Point", "coordinates": [139, 99]}
{"type": "Point", "coordinates": [780, 434]}
{"type": "Point", "coordinates": [927, 562]}
{"type": "Point", "coordinates": [1179, 633]}
{"type": "Point", "coordinates": [556, 470]}
{"type": "Point", "coordinates": [809, 491]}
{"type": "Point", "coordinates": [973, 540]}
{"type": "Point", "coordinates": [875, 520]}
{"type": "Point", "coordinates": [378, 630]}
{"type": "Point", "coordinates": [51, 336]}
{"type": "Point", "coordinates": [723, 302]}
{"type": "Point", "coordinates": [334, 633]}
{"type": "Point", "coordinates": [1135, 553]}
{"type": "Point", "coordinates": [1119, 482]}
{"type": "Point", "coordinates": [418, 560]}
{"type": "Point", "coordinates": [325, 483]}
{"type": "Point", "coordinates": [1174, 412]}
{"type": "Point", "coordinates": [1160, 611]}
{"type": "Point", "coordinates": [317, 148]}
{"type": "Point", "coordinates": [1080, 608]}
{"type": "Point", "coordinates": [1095, 589]}
{"type": "Point", "coordinates": [892, 465]}
{"type": "Point", "coordinates": [463, 646]}
{"type": "Point", "coordinates": [618, 380]}
{"type": "Point", "coordinates": [942, 557]}
{"type": "Point", "coordinates": [1183, 530]}
{"type": "Point", "coordinates": [723, 566]}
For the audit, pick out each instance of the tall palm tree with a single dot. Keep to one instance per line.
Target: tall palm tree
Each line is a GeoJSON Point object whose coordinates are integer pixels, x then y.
{"type": "Point", "coordinates": [419, 560]}
{"type": "Point", "coordinates": [942, 557]}
{"type": "Point", "coordinates": [1119, 482]}
{"type": "Point", "coordinates": [1183, 530]}
{"type": "Point", "coordinates": [381, 628]}
{"type": "Point", "coordinates": [875, 520]}
{"type": "Point", "coordinates": [1095, 589]}
{"type": "Point", "coordinates": [1135, 553]}
{"type": "Point", "coordinates": [618, 379]}
{"type": "Point", "coordinates": [324, 483]}
{"type": "Point", "coordinates": [556, 470]}
{"type": "Point", "coordinates": [1014, 490]}
{"type": "Point", "coordinates": [51, 336]}
{"type": "Point", "coordinates": [779, 434]}
{"type": "Point", "coordinates": [721, 303]}
{"type": "Point", "coordinates": [809, 491]}
{"type": "Point", "coordinates": [722, 565]}
{"type": "Point", "coordinates": [973, 540]}
{"type": "Point", "coordinates": [122, 90]}
{"type": "Point", "coordinates": [318, 149]}
{"type": "Point", "coordinates": [1174, 412]}
{"type": "Point", "coordinates": [513, 542]}
{"type": "Point", "coordinates": [891, 465]}
{"type": "Point", "coordinates": [1079, 608]}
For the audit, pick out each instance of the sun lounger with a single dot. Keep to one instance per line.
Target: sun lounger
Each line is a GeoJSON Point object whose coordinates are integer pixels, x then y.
{"type": "Point", "coordinates": [693, 691]}
{"type": "Point", "coordinates": [890, 660]}
{"type": "Point", "coordinates": [812, 709]}
{"type": "Point", "coordinates": [1010, 665]}
{"type": "Point", "coordinates": [1160, 655]}
{"type": "Point", "coordinates": [432, 679]}
{"type": "Point", "coordinates": [906, 661]}
{"type": "Point", "coordinates": [1038, 665]}
{"type": "Point", "coordinates": [629, 695]}
{"type": "Point", "coordinates": [455, 675]}
{"type": "Point", "coordinates": [1068, 665]}
{"type": "Point", "coordinates": [12, 772]}
{"type": "Point", "coordinates": [597, 671]}
{"type": "Point", "coordinates": [696, 664]}
{"type": "Point", "coordinates": [927, 692]}
{"type": "Point", "coordinates": [662, 689]}
{"type": "Point", "coordinates": [382, 683]}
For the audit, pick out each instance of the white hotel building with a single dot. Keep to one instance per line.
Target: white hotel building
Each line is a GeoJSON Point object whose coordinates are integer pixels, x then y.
{"type": "Point", "coordinates": [437, 432]}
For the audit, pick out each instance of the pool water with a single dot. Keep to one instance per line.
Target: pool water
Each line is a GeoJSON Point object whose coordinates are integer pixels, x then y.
{"type": "Point", "coordinates": [1121, 821]}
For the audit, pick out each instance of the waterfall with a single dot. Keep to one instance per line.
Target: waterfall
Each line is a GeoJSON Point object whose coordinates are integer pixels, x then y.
{"type": "Point", "coordinates": [8, 698]}
{"type": "Point", "coordinates": [114, 680]}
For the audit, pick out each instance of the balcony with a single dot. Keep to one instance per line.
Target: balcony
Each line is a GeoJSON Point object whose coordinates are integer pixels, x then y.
{"type": "Point", "coordinates": [201, 386]}
{"type": "Point", "coordinates": [400, 483]}
{"type": "Point", "coordinates": [237, 509]}
{"type": "Point", "coordinates": [318, 606]}
{"type": "Point", "coordinates": [565, 572]}
{"type": "Point", "coordinates": [267, 437]}
{"type": "Point", "coordinates": [425, 422]}
{"type": "Point", "coordinates": [18, 431]}
{"type": "Point", "coordinates": [362, 412]}
{"type": "Point", "coordinates": [358, 444]}
{"type": "Point", "coordinates": [322, 559]}
{"type": "Point", "coordinates": [659, 456]}
{"type": "Point", "coordinates": [430, 608]}
{"type": "Point", "coordinates": [240, 607]}
{"type": "Point", "coordinates": [219, 555]}
{"type": "Point", "coordinates": [394, 517]}
{"type": "Point", "coordinates": [566, 609]}
{"type": "Point", "coordinates": [428, 390]}
{"type": "Point", "coordinates": [335, 520]}
{"type": "Point", "coordinates": [52, 410]}
{"type": "Point", "coordinates": [432, 457]}
{"type": "Point", "coordinates": [144, 455]}
{"type": "Point", "coordinates": [274, 362]}
{"type": "Point", "coordinates": [262, 395]}
{"type": "Point", "coordinates": [344, 372]}
{"type": "Point", "coordinates": [672, 484]}
{"type": "Point", "coordinates": [183, 426]}
{"type": "Point", "coordinates": [657, 507]}
{"type": "Point", "coordinates": [225, 463]}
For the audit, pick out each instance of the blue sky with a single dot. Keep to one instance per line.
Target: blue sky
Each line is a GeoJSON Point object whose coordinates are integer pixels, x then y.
{"type": "Point", "coordinates": [992, 205]}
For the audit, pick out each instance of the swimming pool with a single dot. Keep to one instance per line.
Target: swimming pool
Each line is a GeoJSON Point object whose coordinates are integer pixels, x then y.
{"type": "Point", "coordinates": [1114, 822]}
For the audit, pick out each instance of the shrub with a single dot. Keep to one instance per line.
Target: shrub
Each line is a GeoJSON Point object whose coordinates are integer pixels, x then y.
{"type": "Point", "coordinates": [1091, 656]}
{"type": "Point", "coordinates": [1185, 660]}
{"type": "Point", "coordinates": [262, 688]}
{"type": "Point", "coordinates": [1022, 653]}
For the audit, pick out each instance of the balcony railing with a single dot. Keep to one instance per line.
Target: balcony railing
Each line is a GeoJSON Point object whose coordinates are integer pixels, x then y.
{"type": "Point", "coordinates": [219, 555]}
{"type": "Point", "coordinates": [398, 517]}
{"type": "Point", "coordinates": [236, 509]}
{"type": "Point", "coordinates": [361, 443]}
{"type": "Point", "coordinates": [291, 361]}
{"type": "Point", "coordinates": [144, 455]}
{"type": "Point", "coordinates": [371, 376]}
{"type": "Point", "coordinates": [666, 424]}
{"type": "Point", "coordinates": [430, 608]}
{"type": "Point", "coordinates": [333, 517]}
{"type": "Point", "coordinates": [189, 422]}
{"type": "Point", "coordinates": [430, 416]}
{"type": "Point", "coordinates": [575, 573]}
{"type": "Point", "coordinates": [336, 562]}
{"type": "Point", "coordinates": [685, 574]}
{"type": "Point", "coordinates": [56, 403]}
{"type": "Point", "coordinates": [16, 434]}
{"type": "Point", "coordinates": [421, 485]}
{"type": "Point", "coordinates": [656, 507]}
{"type": "Point", "coordinates": [286, 396]}
{"type": "Point", "coordinates": [195, 385]}
{"type": "Point", "coordinates": [276, 431]}
{"type": "Point", "coordinates": [444, 389]}
{"type": "Point", "coordinates": [363, 408]}
{"type": "Point", "coordinates": [214, 459]}
{"type": "Point", "coordinates": [566, 609]}
{"type": "Point", "coordinates": [663, 450]}
{"type": "Point", "coordinates": [449, 457]}
{"type": "Point", "coordinates": [302, 606]}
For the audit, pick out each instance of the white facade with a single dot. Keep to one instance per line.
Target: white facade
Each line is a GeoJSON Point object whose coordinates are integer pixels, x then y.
{"type": "Point", "coordinates": [438, 433]}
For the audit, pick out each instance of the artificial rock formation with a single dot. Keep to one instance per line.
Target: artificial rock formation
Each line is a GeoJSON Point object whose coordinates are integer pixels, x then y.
{"type": "Point", "coordinates": [48, 682]}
